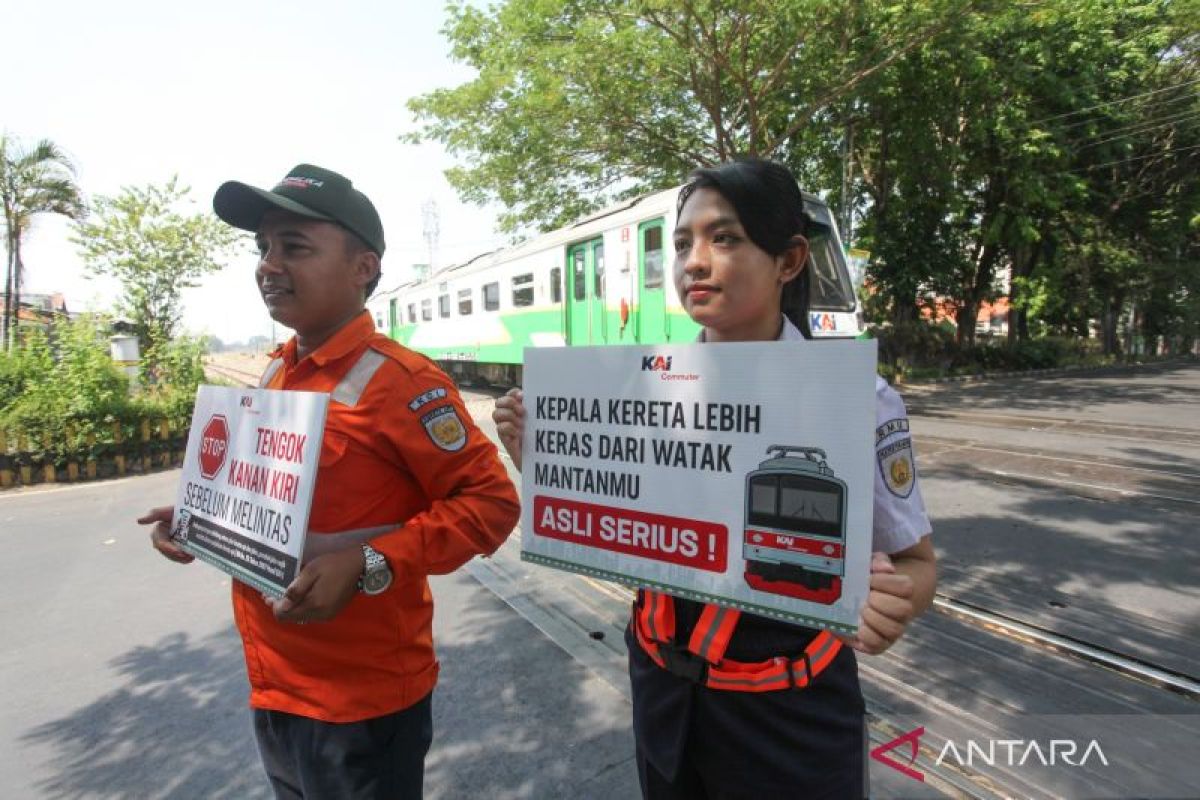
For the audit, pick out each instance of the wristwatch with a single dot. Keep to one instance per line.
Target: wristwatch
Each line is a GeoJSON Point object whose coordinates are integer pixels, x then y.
{"type": "Point", "coordinates": [377, 575]}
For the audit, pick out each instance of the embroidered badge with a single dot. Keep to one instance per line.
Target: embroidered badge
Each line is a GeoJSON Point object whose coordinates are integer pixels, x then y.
{"type": "Point", "coordinates": [426, 399]}
{"type": "Point", "coordinates": [445, 428]}
{"type": "Point", "coordinates": [897, 468]}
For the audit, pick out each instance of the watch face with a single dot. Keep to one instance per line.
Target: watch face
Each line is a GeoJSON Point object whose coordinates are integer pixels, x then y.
{"type": "Point", "coordinates": [376, 581]}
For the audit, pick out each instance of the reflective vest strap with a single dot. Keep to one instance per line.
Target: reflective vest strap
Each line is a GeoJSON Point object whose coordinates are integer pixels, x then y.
{"type": "Point", "coordinates": [773, 675]}
{"type": "Point", "coordinates": [777, 673]}
{"type": "Point", "coordinates": [351, 387]}
{"type": "Point", "coordinates": [713, 631]}
{"type": "Point", "coordinates": [269, 372]}
{"type": "Point", "coordinates": [657, 616]}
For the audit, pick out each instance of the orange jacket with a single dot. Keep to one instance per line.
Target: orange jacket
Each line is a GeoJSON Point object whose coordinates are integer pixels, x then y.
{"type": "Point", "coordinates": [405, 450]}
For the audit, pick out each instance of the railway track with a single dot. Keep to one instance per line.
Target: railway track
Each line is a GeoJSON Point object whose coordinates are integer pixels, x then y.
{"type": "Point", "coordinates": [1046, 424]}
{"type": "Point", "coordinates": [237, 376]}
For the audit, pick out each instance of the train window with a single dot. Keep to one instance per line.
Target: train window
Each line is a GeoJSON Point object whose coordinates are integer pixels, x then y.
{"type": "Point", "coordinates": [810, 505]}
{"type": "Point", "coordinates": [796, 503]}
{"type": "Point", "coordinates": [579, 275]}
{"type": "Point", "coordinates": [378, 321]}
{"type": "Point", "coordinates": [652, 249]}
{"type": "Point", "coordinates": [598, 251]}
{"type": "Point", "coordinates": [444, 305]}
{"type": "Point", "coordinates": [464, 301]}
{"type": "Point", "coordinates": [426, 310]}
{"type": "Point", "coordinates": [522, 288]}
{"type": "Point", "coordinates": [412, 312]}
{"type": "Point", "coordinates": [491, 296]}
{"type": "Point", "coordinates": [556, 285]}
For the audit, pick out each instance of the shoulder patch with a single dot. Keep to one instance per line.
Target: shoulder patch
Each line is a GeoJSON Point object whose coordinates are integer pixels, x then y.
{"type": "Point", "coordinates": [426, 398]}
{"type": "Point", "coordinates": [895, 458]}
{"type": "Point", "coordinates": [445, 429]}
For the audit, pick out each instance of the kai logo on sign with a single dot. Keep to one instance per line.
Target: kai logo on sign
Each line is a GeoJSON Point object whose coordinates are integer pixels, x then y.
{"type": "Point", "coordinates": [656, 363]}
{"type": "Point", "coordinates": [214, 445]}
{"type": "Point", "coordinates": [247, 401]}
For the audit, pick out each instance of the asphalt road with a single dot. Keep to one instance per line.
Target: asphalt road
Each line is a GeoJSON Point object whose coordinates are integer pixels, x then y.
{"type": "Point", "coordinates": [123, 674]}
{"type": "Point", "coordinates": [1067, 502]}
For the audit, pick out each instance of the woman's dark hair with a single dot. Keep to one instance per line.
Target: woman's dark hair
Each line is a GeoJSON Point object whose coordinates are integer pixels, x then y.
{"type": "Point", "coordinates": [770, 207]}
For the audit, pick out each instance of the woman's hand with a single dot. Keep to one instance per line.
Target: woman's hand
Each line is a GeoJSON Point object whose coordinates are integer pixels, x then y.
{"type": "Point", "coordinates": [509, 416]}
{"type": "Point", "coordinates": [901, 588]}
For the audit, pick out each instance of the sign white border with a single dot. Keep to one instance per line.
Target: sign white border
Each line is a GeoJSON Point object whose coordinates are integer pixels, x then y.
{"type": "Point", "coordinates": [693, 422]}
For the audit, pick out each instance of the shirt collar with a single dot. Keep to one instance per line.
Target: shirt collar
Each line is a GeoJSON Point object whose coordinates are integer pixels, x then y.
{"type": "Point", "coordinates": [788, 333]}
{"type": "Point", "coordinates": [348, 338]}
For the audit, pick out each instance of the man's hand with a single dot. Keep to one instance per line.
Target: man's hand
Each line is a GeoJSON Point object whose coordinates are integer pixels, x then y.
{"type": "Point", "coordinates": [160, 534]}
{"type": "Point", "coordinates": [509, 416]}
{"type": "Point", "coordinates": [888, 610]}
{"type": "Point", "coordinates": [322, 588]}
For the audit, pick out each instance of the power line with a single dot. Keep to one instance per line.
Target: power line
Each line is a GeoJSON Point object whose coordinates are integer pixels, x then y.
{"type": "Point", "coordinates": [1117, 102]}
{"type": "Point", "coordinates": [1143, 158]}
{"type": "Point", "coordinates": [1142, 128]}
{"type": "Point", "coordinates": [1150, 107]}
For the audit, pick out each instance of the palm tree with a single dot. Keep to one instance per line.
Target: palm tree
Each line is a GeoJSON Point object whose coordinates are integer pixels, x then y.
{"type": "Point", "coordinates": [37, 181]}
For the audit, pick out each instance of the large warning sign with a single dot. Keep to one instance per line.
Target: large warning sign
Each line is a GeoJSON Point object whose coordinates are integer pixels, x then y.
{"type": "Point", "coordinates": [739, 473]}
{"type": "Point", "coordinates": [247, 483]}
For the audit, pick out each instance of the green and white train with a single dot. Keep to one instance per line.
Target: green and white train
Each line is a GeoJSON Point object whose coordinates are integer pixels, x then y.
{"type": "Point", "coordinates": [606, 279]}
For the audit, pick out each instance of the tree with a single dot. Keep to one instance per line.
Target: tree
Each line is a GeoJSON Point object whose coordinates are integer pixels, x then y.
{"type": "Point", "coordinates": [156, 247]}
{"type": "Point", "coordinates": [36, 181]}
{"type": "Point", "coordinates": [579, 103]}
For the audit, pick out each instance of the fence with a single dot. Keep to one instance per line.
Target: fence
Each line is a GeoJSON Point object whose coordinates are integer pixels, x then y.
{"type": "Point", "coordinates": [74, 453]}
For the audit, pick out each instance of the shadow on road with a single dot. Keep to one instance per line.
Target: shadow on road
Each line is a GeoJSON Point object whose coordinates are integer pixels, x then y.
{"type": "Point", "coordinates": [514, 717]}
{"type": "Point", "coordinates": [177, 727]}
{"type": "Point", "coordinates": [1119, 575]}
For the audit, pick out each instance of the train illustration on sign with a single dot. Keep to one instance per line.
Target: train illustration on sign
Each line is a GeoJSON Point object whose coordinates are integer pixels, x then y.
{"type": "Point", "coordinates": [603, 280]}
{"type": "Point", "coordinates": [795, 535]}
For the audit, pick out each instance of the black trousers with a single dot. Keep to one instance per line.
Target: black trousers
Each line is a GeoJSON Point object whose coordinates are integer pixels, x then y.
{"type": "Point", "coordinates": [695, 743]}
{"type": "Point", "coordinates": [376, 759]}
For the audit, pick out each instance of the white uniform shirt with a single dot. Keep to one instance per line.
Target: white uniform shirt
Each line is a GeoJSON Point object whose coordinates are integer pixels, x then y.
{"type": "Point", "coordinates": [899, 519]}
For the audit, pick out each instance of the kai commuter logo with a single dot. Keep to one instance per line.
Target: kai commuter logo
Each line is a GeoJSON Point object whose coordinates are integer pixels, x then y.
{"type": "Point", "coordinates": [656, 363]}
{"type": "Point", "coordinates": [661, 365]}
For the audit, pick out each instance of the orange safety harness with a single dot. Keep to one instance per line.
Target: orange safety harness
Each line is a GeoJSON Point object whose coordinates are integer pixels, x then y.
{"type": "Point", "coordinates": [703, 660]}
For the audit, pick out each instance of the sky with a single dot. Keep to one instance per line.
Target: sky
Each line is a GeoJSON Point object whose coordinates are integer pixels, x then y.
{"type": "Point", "coordinates": [136, 92]}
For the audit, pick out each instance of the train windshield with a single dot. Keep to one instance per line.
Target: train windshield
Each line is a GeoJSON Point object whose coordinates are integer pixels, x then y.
{"type": "Point", "coordinates": [831, 287]}
{"type": "Point", "coordinates": [796, 503]}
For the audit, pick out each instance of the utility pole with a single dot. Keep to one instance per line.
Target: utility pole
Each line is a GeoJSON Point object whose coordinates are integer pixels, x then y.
{"type": "Point", "coordinates": [429, 214]}
{"type": "Point", "coordinates": [847, 225]}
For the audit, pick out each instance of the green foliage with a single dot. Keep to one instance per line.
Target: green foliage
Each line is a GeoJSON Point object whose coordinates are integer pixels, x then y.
{"type": "Point", "coordinates": [919, 351]}
{"type": "Point", "coordinates": [579, 103]}
{"type": "Point", "coordinates": [36, 181]}
{"type": "Point", "coordinates": [1059, 139]}
{"type": "Point", "coordinates": [58, 392]}
{"type": "Point", "coordinates": [156, 247]}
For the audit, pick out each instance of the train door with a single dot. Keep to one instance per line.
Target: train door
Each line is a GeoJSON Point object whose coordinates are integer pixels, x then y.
{"type": "Point", "coordinates": [599, 313]}
{"type": "Point", "coordinates": [585, 305]}
{"type": "Point", "coordinates": [653, 324]}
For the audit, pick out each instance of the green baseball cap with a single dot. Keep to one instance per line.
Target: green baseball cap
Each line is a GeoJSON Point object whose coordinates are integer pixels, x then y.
{"type": "Point", "coordinates": [306, 190]}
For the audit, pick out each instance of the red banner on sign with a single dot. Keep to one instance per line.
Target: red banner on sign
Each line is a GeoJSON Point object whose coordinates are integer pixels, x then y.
{"type": "Point", "coordinates": [675, 540]}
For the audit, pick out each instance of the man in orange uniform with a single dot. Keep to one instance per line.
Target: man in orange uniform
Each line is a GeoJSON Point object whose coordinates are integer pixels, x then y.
{"type": "Point", "coordinates": [406, 481]}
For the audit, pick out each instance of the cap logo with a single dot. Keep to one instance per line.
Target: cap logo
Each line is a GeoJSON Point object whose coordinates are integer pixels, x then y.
{"type": "Point", "coordinates": [300, 182]}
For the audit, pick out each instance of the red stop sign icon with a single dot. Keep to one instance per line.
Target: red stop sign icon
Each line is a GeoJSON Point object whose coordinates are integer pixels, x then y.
{"type": "Point", "coordinates": [214, 444]}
